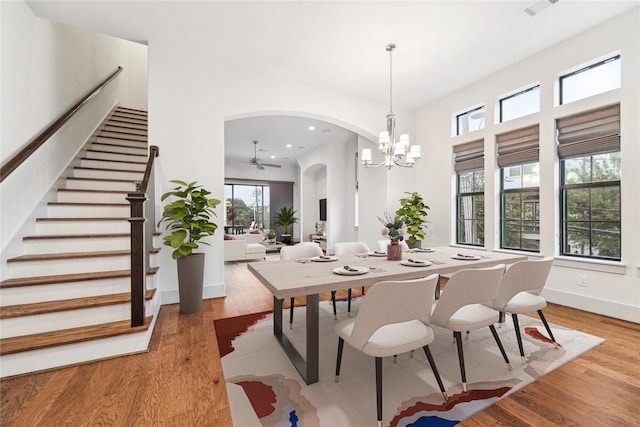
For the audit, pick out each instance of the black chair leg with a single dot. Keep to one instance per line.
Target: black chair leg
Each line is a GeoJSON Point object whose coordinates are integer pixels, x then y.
{"type": "Point", "coordinates": [379, 389]}
{"type": "Point", "coordinates": [291, 311]}
{"type": "Point", "coordinates": [427, 352]}
{"type": "Point", "coordinates": [458, 337]}
{"type": "Point", "coordinates": [516, 326]}
{"type": "Point", "coordinates": [546, 325]}
{"type": "Point", "coordinates": [333, 300]}
{"type": "Point", "coordinates": [339, 358]}
{"type": "Point", "coordinates": [349, 302]}
{"type": "Point", "coordinates": [504, 354]}
{"type": "Point", "coordinates": [363, 291]}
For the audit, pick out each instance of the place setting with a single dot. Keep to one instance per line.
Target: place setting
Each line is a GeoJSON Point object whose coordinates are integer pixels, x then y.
{"type": "Point", "coordinates": [348, 270]}
{"type": "Point", "coordinates": [415, 263]}
{"type": "Point", "coordinates": [324, 258]}
{"type": "Point", "coordinates": [464, 257]}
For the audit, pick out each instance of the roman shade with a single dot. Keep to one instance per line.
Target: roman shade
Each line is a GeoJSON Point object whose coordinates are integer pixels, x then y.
{"type": "Point", "coordinates": [518, 146]}
{"type": "Point", "coordinates": [591, 132]}
{"type": "Point", "coordinates": [469, 156]}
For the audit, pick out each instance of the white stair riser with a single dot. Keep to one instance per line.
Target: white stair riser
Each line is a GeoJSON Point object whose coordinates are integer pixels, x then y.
{"type": "Point", "coordinates": [90, 197]}
{"type": "Point", "coordinates": [129, 118]}
{"type": "Point", "coordinates": [72, 183]}
{"type": "Point", "coordinates": [94, 163]}
{"type": "Point", "coordinates": [88, 211]}
{"type": "Point", "coordinates": [60, 291]}
{"type": "Point", "coordinates": [43, 246]}
{"type": "Point", "coordinates": [123, 135]}
{"type": "Point", "coordinates": [115, 156]}
{"type": "Point", "coordinates": [123, 123]}
{"type": "Point", "coordinates": [26, 325]}
{"type": "Point", "coordinates": [120, 142]}
{"type": "Point", "coordinates": [141, 151]}
{"type": "Point", "coordinates": [126, 113]}
{"type": "Point", "coordinates": [83, 227]}
{"type": "Point", "coordinates": [67, 266]}
{"type": "Point", "coordinates": [73, 354]}
{"type": "Point", "coordinates": [124, 129]}
{"type": "Point", "coordinates": [107, 174]}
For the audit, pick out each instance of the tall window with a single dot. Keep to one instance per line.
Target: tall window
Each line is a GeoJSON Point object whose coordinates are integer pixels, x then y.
{"type": "Point", "coordinates": [520, 193]}
{"type": "Point", "coordinates": [589, 152]}
{"type": "Point", "coordinates": [246, 207]}
{"type": "Point", "coordinates": [592, 80]}
{"type": "Point", "coordinates": [469, 121]}
{"type": "Point", "coordinates": [520, 104]}
{"type": "Point", "coordinates": [469, 167]}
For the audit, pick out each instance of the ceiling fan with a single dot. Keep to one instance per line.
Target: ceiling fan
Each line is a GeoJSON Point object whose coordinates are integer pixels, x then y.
{"type": "Point", "coordinates": [255, 161]}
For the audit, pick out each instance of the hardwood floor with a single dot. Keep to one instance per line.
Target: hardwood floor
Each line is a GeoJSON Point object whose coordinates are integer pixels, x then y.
{"type": "Point", "coordinates": [179, 382]}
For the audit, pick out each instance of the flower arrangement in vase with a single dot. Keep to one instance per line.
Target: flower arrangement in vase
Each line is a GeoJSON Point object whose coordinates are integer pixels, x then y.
{"type": "Point", "coordinates": [395, 230]}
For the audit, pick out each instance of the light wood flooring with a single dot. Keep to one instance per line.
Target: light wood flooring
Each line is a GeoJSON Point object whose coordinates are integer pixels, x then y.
{"type": "Point", "coordinates": [179, 382]}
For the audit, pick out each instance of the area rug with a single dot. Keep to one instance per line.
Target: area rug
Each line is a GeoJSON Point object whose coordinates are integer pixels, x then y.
{"type": "Point", "coordinates": [265, 389]}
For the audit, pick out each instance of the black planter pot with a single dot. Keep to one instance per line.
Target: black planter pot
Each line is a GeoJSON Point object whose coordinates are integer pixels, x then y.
{"type": "Point", "coordinates": [190, 280]}
{"type": "Point", "coordinates": [415, 245]}
{"type": "Point", "coordinates": [286, 239]}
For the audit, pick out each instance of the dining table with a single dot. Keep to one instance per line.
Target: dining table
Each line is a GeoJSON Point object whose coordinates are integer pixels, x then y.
{"type": "Point", "coordinates": [311, 276]}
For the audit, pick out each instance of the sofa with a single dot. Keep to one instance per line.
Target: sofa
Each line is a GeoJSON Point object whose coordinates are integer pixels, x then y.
{"type": "Point", "coordinates": [243, 247]}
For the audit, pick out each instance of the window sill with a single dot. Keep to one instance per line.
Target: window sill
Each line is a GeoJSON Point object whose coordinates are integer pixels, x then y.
{"type": "Point", "coordinates": [615, 267]}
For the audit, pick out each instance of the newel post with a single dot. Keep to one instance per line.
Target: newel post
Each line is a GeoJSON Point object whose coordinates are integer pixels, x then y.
{"type": "Point", "coordinates": [137, 258]}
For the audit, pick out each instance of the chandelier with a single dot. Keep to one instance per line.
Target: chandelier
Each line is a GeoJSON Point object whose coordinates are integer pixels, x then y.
{"type": "Point", "coordinates": [398, 153]}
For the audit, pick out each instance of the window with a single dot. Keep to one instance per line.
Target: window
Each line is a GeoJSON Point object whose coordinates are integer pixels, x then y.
{"type": "Point", "coordinates": [246, 207]}
{"type": "Point", "coordinates": [520, 104]}
{"type": "Point", "coordinates": [469, 167]}
{"type": "Point", "coordinates": [592, 80]}
{"type": "Point", "coordinates": [470, 121]}
{"type": "Point", "coordinates": [519, 190]}
{"type": "Point", "coordinates": [589, 152]}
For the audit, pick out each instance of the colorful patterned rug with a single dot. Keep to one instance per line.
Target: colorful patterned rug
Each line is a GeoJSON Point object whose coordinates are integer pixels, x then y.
{"type": "Point", "coordinates": [265, 389]}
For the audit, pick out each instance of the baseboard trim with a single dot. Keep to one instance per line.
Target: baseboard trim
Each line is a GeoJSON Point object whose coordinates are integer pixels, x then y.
{"type": "Point", "coordinates": [209, 291]}
{"type": "Point", "coordinates": [614, 309]}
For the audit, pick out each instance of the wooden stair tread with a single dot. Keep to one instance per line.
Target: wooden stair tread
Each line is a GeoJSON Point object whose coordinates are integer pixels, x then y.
{"type": "Point", "coordinates": [67, 278]}
{"type": "Point", "coordinates": [76, 236]}
{"type": "Point", "coordinates": [97, 218]}
{"type": "Point", "coordinates": [133, 110]}
{"type": "Point", "coordinates": [67, 255]}
{"type": "Point", "coordinates": [70, 336]}
{"type": "Point", "coordinates": [57, 306]}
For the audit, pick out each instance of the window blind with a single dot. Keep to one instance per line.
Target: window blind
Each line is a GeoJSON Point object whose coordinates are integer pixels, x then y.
{"type": "Point", "coordinates": [469, 156]}
{"type": "Point", "coordinates": [591, 132]}
{"type": "Point", "coordinates": [518, 146]}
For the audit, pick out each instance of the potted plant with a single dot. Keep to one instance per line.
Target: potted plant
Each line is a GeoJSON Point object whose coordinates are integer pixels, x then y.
{"type": "Point", "coordinates": [270, 235]}
{"type": "Point", "coordinates": [286, 218]}
{"type": "Point", "coordinates": [395, 230]}
{"type": "Point", "coordinates": [189, 219]}
{"type": "Point", "coordinates": [413, 213]}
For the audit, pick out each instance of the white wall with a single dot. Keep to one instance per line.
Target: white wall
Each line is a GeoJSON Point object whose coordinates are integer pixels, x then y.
{"type": "Point", "coordinates": [189, 98]}
{"type": "Point", "coordinates": [46, 68]}
{"type": "Point", "coordinates": [614, 294]}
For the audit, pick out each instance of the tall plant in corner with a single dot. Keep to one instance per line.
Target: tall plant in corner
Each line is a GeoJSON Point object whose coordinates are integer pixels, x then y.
{"type": "Point", "coordinates": [413, 212]}
{"type": "Point", "coordinates": [189, 219]}
{"type": "Point", "coordinates": [286, 218]}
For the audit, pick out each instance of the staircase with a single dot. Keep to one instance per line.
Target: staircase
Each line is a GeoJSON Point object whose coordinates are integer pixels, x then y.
{"type": "Point", "coordinates": [66, 299]}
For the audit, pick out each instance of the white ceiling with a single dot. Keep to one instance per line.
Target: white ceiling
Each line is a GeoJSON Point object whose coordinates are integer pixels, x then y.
{"type": "Point", "coordinates": [442, 46]}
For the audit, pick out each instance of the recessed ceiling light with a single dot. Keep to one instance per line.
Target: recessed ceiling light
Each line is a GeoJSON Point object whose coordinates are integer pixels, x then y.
{"type": "Point", "coordinates": [289, 145]}
{"type": "Point", "coordinates": [273, 157]}
{"type": "Point", "coordinates": [312, 128]}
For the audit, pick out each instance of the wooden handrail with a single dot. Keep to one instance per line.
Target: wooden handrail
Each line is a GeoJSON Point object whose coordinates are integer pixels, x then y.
{"type": "Point", "coordinates": [27, 151]}
{"type": "Point", "coordinates": [154, 152]}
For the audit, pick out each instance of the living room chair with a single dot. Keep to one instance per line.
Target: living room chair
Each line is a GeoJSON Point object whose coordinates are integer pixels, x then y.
{"type": "Point", "coordinates": [350, 248]}
{"type": "Point", "coordinates": [304, 250]}
{"type": "Point", "coordinates": [517, 294]}
{"type": "Point", "coordinates": [388, 324]}
{"type": "Point", "coordinates": [461, 307]}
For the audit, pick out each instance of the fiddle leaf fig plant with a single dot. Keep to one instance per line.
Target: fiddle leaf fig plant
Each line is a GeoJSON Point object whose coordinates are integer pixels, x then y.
{"type": "Point", "coordinates": [413, 212]}
{"type": "Point", "coordinates": [188, 217]}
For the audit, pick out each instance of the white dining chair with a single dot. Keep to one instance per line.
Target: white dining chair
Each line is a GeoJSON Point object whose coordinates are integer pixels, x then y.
{"type": "Point", "coordinates": [517, 294]}
{"type": "Point", "coordinates": [461, 307]}
{"type": "Point", "coordinates": [299, 251]}
{"type": "Point", "coordinates": [350, 248]}
{"type": "Point", "coordinates": [388, 324]}
{"type": "Point", "coordinates": [382, 245]}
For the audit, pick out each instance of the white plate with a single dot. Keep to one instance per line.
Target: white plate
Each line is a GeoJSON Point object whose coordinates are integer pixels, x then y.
{"type": "Point", "coordinates": [377, 254]}
{"type": "Point", "coordinates": [415, 264]}
{"type": "Point", "coordinates": [324, 258]}
{"type": "Point", "coordinates": [466, 257]}
{"type": "Point", "coordinates": [423, 250]}
{"type": "Point", "coordinates": [342, 271]}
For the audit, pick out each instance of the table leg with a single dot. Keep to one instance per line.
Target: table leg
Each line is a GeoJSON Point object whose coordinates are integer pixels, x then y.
{"type": "Point", "coordinates": [309, 368]}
